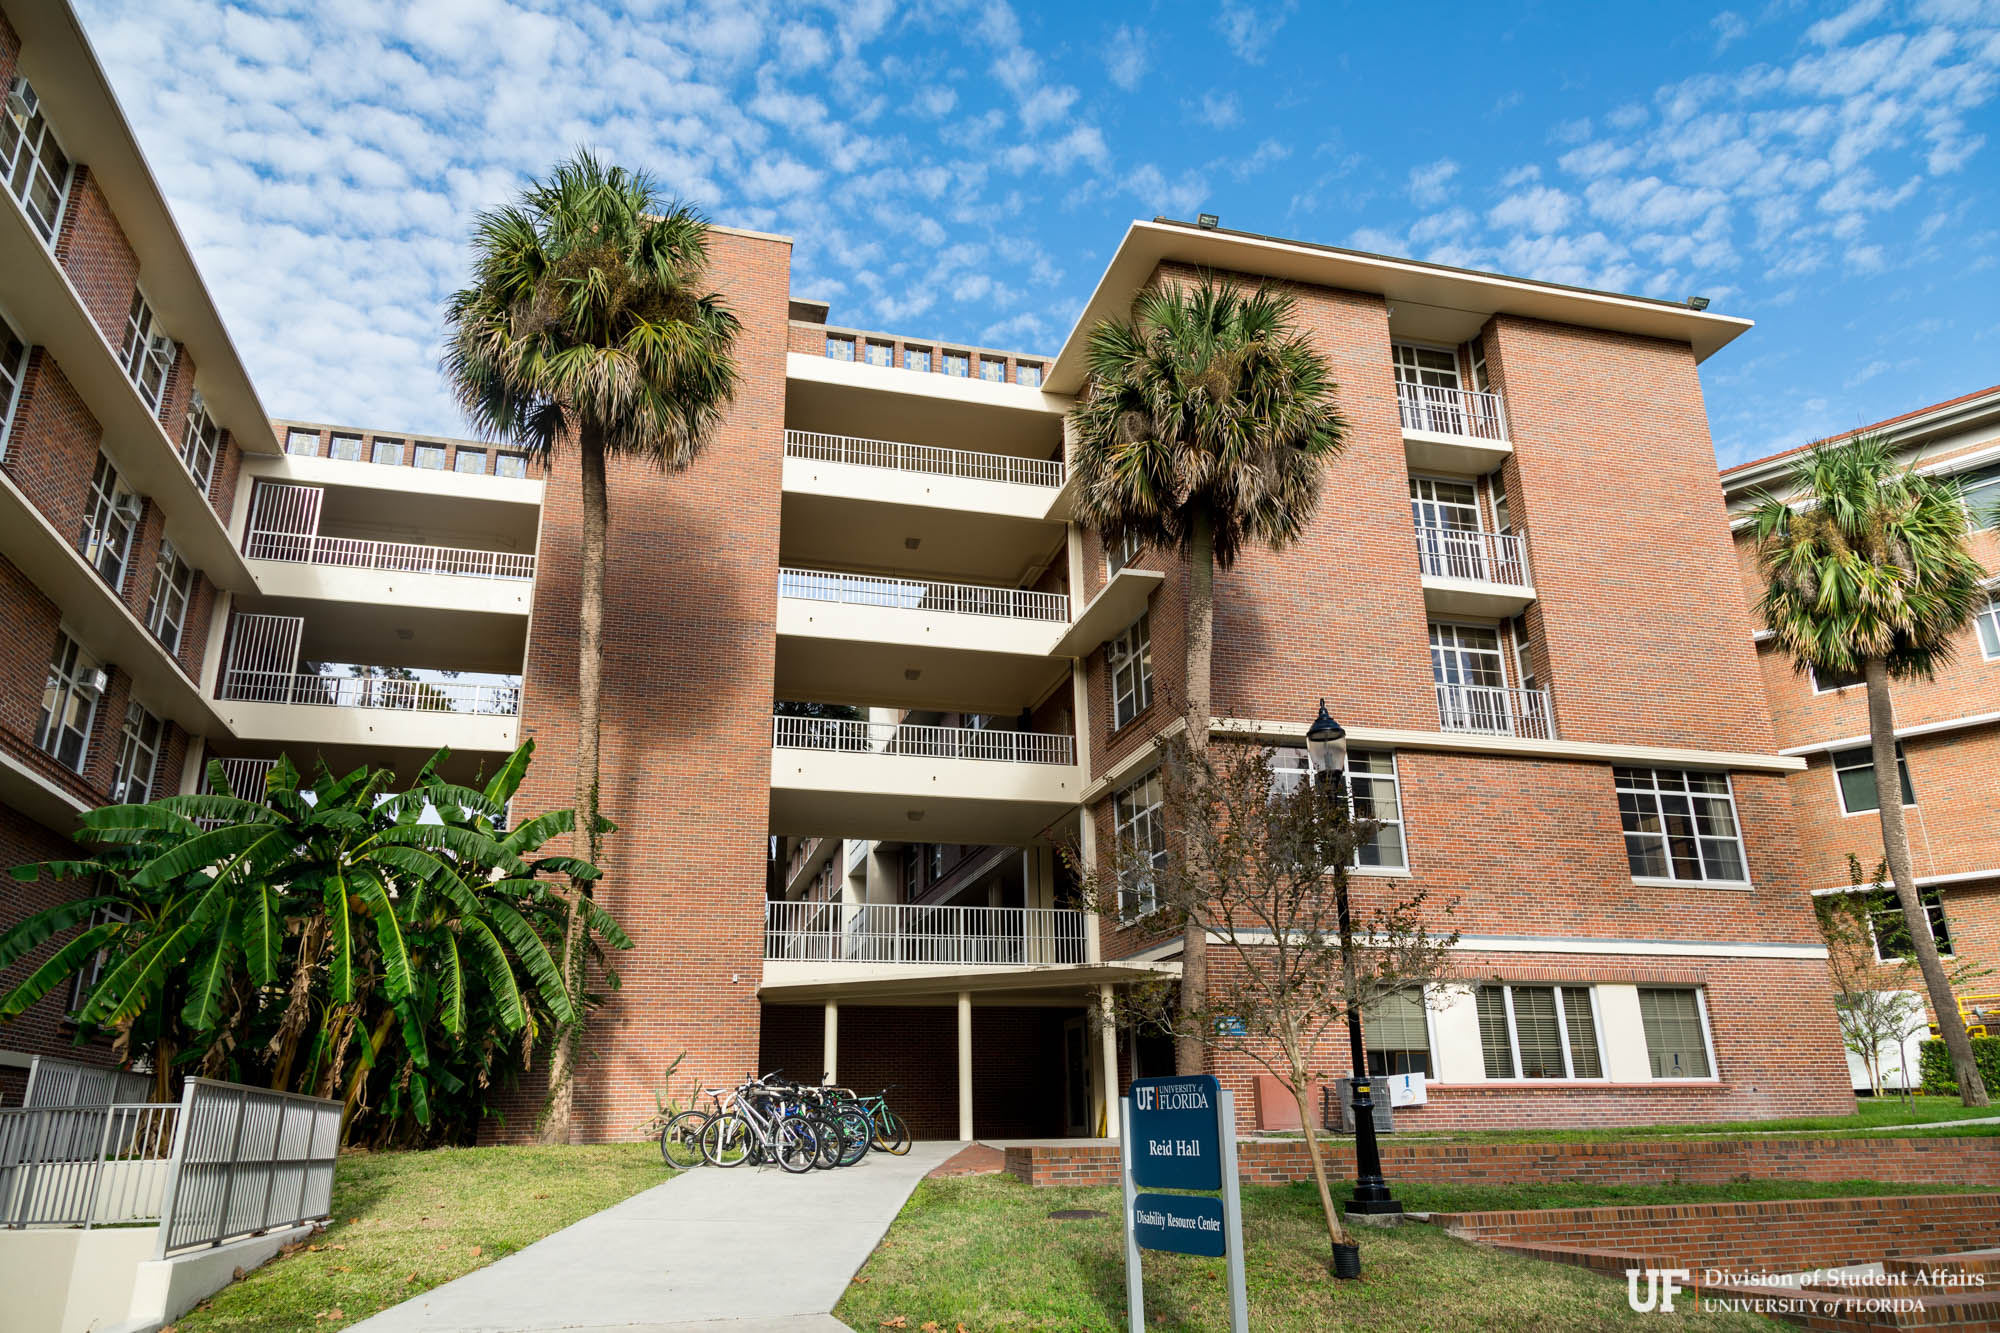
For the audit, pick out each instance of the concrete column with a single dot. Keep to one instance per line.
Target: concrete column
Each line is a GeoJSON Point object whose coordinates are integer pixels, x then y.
{"type": "Point", "coordinates": [1107, 1048]}
{"type": "Point", "coordinates": [965, 1065]}
{"type": "Point", "coordinates": [832, 1053]}
{"type": "Point", "coordinates": [1086, 850]}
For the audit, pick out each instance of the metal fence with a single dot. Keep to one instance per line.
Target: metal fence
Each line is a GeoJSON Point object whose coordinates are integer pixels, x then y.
{"type": "Point", "coordinates": [923, 742]}
{"type": "Point", "coordinates": [1468, 553]}
{"type": "Point", "coordinates": [924, 458]}
{"type": "Point", "coordinates": [396, 557]}
{"type": "Point", "coordinates": [1447, 411]}
{"type": "Point", "coordinates": [247, 1160]}
{"type": "Point", "coordinates": [912, 933]}
{"type": "Point", "coordinates": [966, 599]}
{"type": "Point", "coordinates": [54, 1081]}
{"type": "Point", "coordinates": [372, 691]}
{"type": "Point", "coordinates": [84, 1165]}
{"type": "Point", "coordinates": [1496, 712]}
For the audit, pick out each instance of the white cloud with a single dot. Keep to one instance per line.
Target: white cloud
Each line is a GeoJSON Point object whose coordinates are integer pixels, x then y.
{"type": "Point", "coordinates": [1729, 29]}
{"type": "Point", "coordinates": [1835, 30]}
{"type": "Point", "coordinates": [1541, 209]}
{"type": "Point", "coordinates": [1126, 57]}
{"type": "Point", "coordinates": [1430, 185]}
{"type": "Point", "coordinates": [1249, 27]}
{"type": "Point", "coordinates": [1219, 112]}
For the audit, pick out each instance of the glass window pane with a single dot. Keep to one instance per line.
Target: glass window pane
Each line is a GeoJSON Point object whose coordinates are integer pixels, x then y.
{"type": "Point", "coordinates": [1582, 1024]}
{"type": "Point", "coordinates": [1674, 1044]}
{"type": "Point", "coordinates": [1494, 1047]}
{"type": "Point", "coordinates": [1398, 1035]}
{"type": "Point", "coordinates": [1536, 1033]}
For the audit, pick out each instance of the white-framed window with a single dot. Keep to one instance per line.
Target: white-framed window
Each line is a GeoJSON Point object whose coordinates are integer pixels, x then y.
{"type": "Point", "coordinates": [1373, 792]}
{"type": "Point", "coordinates": [992, 370]}
{"type": "Point", "coordinates": [1130, 658]}
{"type": "Point", "coordinates": [201, 442]}
{"type": "Point", "coordinates": [510, 463]}
{"type": "Point", "coordinates": [1028, 374]}
{"type": "Point", "coordinates": [110, 522]}
{"type": "Point", "coordinates": [36, 169]}
{"type": "Point", "coordinates": [147, 352]}
{"type": "Point", "coordinates": [13, 373]}
{"type": "Point", "coordinates": [1463, 655]}
{"type": "Point", "coordinates": [879, 354]}
{"type": "Point", "coordinates": [389, 453]}
{"type": "Point", "coordinates": [1142, 843]}
{"type": "Point", "coordinates": [917, 358]}
{"type": "Point", "coordinates": [1829, 680]}
{"type": "Point", "coordinates": [1475, 352]}
{"type": "Point", "coordinates": [1680, 824]}
{"type": "Point", "coordinates": [470, 461]}
{"type": "Point", "coordinates": [302, 443]}
{"type": "Point", "coordinates": [429, 457]}
{"type": "Point", "coordinates": [958, 363]}
{"type": "Point", "coordinates": [1444, 502]}
{"type": "Point", "coordinates": [1892, 932]}
{"type": "Point", "coordinates": [69, 704]}
{"type": "Point", "coordinates": [1854, 779]}
{"type": "Point", "coordinates": [1987, 623]}
{"type": "Point", "coordinates": [840, 349]}
{"type": "Point", "coordinates": [1538, 1032]}
{"type": "Point", "coordinates": [1676, 1023]}
{"type": "Point", "coordinates": [1123, 553]}
{"type": "Point", "coordinates": [1524, 657]}
{"type": "Point", "coordinates": [133, 781]}
{"type": "Point", "coordinates": [166, 607]}
{"type": "Point", "coordinates": [346, 448]}
{"type": "Point", "coordinates": [1981, 488]}
{"type": "Point", "coordinates": [85, 981]}
{"type": "Point", "coordinates": [1433, 367]}
{"type": "Point", "coordinates": [1398, 1032]}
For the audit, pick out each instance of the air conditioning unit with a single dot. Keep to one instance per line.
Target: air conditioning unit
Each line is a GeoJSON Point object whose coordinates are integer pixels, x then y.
{"type": "Point", "coordinates": [97, 681]}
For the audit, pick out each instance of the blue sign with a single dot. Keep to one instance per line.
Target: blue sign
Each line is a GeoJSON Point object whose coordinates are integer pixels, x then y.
{"type": "Point", "coordinates": [1175, 1145]}
{"type": "Point", "coordinates": [1183, 1223]}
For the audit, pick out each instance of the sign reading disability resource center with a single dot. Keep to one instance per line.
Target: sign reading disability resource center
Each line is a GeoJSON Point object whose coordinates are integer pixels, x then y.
{"type": "Point", "coordinates": [1175, 1146]}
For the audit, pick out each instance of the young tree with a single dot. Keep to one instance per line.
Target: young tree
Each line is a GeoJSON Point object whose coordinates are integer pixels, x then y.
{"type": "Point", "coordinates": [1267, 883]}
{"type": "Point", "coordinates": [1206, 427]}
{"type": "Point", "coordinates": [1867, 572]}
{"type": "Point", "coordinates": [1876, 1011]}
{"type": "Point", "coordinates": [588, 327]}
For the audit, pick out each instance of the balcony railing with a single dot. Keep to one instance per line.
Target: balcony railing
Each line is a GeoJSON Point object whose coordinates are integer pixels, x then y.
{"type": "Point", "coordinates": [1444, 411]}
{"type": "Point", "coordinates": [1007, 747]}
{"type": "Point", "coordinates": [907, 934]}
{"type": "Point", "coordinates": [397, 557]}
{"type": "Point", "coordinates": [1467, 553]}
{"type": "Point", "coordinates": [964, 599]}
{"type": "Point", "coordinates": [924, 458]}
{"type": "Point", "coordinates": [1493, 711]}
{"type": "Point", "coordinates": [391, 692]}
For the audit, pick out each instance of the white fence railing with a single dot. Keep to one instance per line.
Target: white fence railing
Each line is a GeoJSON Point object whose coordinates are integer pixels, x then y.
{"type": "Point", "coordinates": [924, 458]}
{"type": "Point", "coordinates": [907, 933]}
{"type": "Point", "coordinates": [1496, 712]}
{"type": "Point", "coordinates": [1445, 411]}
{"type": "Point", "coordinates": [85, 1165]}
{"type": "Point", "coordinates": [397, 557]}
{"type": "Point", "coordinates": [54, 1081]}
{"type": "Point", "coordinates": [247, 1160]}
{"type": "Point", "coordinates": [1468, 553]}
{"type": "Point", "coordinates": [965, 599]}
{"type": "Point", "coordinates": [895, 738]}
{"type": "Point", "coordinates": [416, 696]}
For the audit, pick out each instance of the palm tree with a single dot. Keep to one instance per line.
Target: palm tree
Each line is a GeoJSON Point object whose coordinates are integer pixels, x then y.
{"type": "Point", "coordinates": [1206, 426]}
{"type": "Point", "coordinates": [586, 327]}
{"type": "Point", "coordinates": [1867, 573]}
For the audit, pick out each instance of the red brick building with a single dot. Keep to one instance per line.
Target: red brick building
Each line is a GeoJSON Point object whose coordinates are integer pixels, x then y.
{"type": "Point", "coordinates": [1553, 694]}
{"type": "Point", "coordinates": [1948, 728]}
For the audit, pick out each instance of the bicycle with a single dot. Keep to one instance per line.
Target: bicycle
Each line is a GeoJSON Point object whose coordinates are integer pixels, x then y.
{"type": "Point", "coordinates": [887, 1130]}
{"type": "Point", "coordinates": [680, 1137]}
{"type": "Point", "coordinates": [749, 1127]}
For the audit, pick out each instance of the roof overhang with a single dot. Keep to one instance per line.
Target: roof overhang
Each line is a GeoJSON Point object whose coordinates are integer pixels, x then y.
{"type": "Point", "coordinates": [1465, 293]}
{"type": "Point", "coordinates": [1911, 433]}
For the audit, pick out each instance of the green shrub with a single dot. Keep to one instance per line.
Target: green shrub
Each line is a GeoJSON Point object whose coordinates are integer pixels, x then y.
{"type": "Point", "coordinates": [1936, 1065]}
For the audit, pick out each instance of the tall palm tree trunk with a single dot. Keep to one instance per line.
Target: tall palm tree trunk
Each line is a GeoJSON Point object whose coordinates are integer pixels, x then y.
{"type": "Point", "coordinates": [556, 1122]}
{"type": "Point", "coordinates": [1190, 1055]}
{"type": "Point", "coordinates": [1896, 848]}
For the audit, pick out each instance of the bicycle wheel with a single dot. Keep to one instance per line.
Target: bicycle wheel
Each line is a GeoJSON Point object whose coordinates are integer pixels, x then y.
{"type": "Point", "coordinates": [832, 1141]}
{"type": "Point", "coordinates": [797, 1146]}
{"type": "Point", "coordinates": [856, 1129]}
{"type": "Point", "coordinates": [680, 1141]}
{"type": "Point", "coordinates": [726, 1140]}
{"type": "Point", "coordinates": [892, 1136]}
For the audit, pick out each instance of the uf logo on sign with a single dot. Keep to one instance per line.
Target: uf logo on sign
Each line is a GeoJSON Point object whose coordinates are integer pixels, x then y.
{"type": "Point", "coordinates": [1142, 1098]}
{"type": "Point", "coordinates": [1662, 1284]}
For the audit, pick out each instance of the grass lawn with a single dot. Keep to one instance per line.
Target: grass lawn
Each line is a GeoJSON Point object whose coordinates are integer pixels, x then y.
{"type": "Point", "coordinates": [1874, 1116]}
{"type": "Point", "coordinates": [982, 1251]}
{"type": "Point", "coordinates": [408, 1221]}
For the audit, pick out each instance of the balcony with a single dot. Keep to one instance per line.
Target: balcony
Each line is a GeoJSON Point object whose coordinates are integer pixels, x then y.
{"type": "Point", "coordinates": [372, 687]}
{"type": "Point", "coordinates": [395, 557]}
{"type": "Point", "coordinates": [1489, 710]}
{"type": "Point", "coordinates": [1469, 572]}
{"type": "Point", "coordinates": [924, 458]}
{"type": "Point", "coordinates": [983, 744]}
{"type": "Point", "coordinates": [1453, 430]}
{"type": "Point", "coordinates": [902, 934]}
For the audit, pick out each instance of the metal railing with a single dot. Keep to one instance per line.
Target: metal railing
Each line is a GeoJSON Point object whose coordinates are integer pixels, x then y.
{"type": "Point", "coordinates": [1446, 411]}
{"type": "Point", "coordinates": [964, 599]}
{"type": "Point", "coordinates": [54, 1081]}
{"type": "Point", "coordinates": [1469, 553]}
{"type": "Point", "coordinates": [1494, 711]}
{"type": "Point", "coordinates": [397, 557]}
{"type": "Point", "coordinates": [85, 1165]}
{"type": "Point", "coordinates": [1010, 747]}
{"type": "Point", "coordinates": [247, 1160]}
{"type": "Point", "coordinates": [417, 696]}
{"type": "Point", "coordinates": [924, 458]}
{"type": "Point", "coordinates": [906, 933]}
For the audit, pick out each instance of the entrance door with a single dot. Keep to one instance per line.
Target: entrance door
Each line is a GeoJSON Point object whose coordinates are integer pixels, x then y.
{"type": "Point", "coordinates": [1076, 1079]}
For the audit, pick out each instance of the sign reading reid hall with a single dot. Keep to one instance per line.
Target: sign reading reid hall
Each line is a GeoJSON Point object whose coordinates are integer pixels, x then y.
{"type": "Point", "coordinates": [1175, 1140]}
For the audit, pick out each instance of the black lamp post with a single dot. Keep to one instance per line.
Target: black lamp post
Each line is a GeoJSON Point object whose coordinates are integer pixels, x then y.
{"type": "Point", "coordinates": [1326, 749]}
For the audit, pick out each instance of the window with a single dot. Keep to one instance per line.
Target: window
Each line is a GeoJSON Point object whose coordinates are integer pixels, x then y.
{"type": "Point", "coordinates": [1538, 1032]}
{"type": "Point", "coordinates": [1372, 793]}
{"type": "Point", "coordinates": [147, 353]}
{"type": "Point", "coordinates": [112, 519]}
{"type": "Point", "coordinates": [1676, 1032]}
{"type": "Point", "coordinates": [470, 461]}
{"type": "Point", "coordinates": [1476, 353]}
{"type": "Point", "coordinates": [1827, 680]}
{"type": "Point", "coordinates": [166, 609]}
{"type": "Point", "coordinates": [1987, 622]}
{"type": "Point", "coordinates": [1502, 520]}
{"type": "Point", "coordinates": [917, 358]}
{"type": "Point", "coordinates": [1124, 553]}
{"type": "Point", "coordinates": [993, 371]}
{"type": "Point", "coordinates": [430, 457]}
{"type": "Point", "coordinates": [913, 870]}
{"type": "Point", "coordinates": [1142, 842]}
{"type": "Point", "coordinates": [1430, 366]}
{"type": "Point", "coordinates": [302, 443]}
{"type": "Point", "coordinates": [1982, 496]}
{"type": "Point", "coordinates": [13, 370]}
{"type": "Point", "coordinates": [879, 354]}
{"type": "Point", "coordinates": [1854, 775]}
{"type": "Point", "coordinates": [1130, 657]}
{"type": "Point", "coordinates": [1027, 374]}
{"type": "Point", "coordinates": [840, 349]}
{"type": "Point", "coordinates": [1466, 655]}
{"type": "Point", "coordinates": [85, 981]}
{"type": "Point", "coordinates": [346, 448]}
{"type": "Point", "coordinates": [1892, 931]}
{"type": "Point", "coordinates": [957, 363]}
{"type": "Point", "coordinates": [1680, 824]}
{"type": "Point", "coordinates": [36, 168]}
{"type": "Point", "coordinates": [1436, 502]}
{"type": "Point", "coordinates": [1524, 658]}
{"type": "Point", "coordinates": [201, 441]}
{"type": "Point", "coordinates": [387, 452]}
{"type": "Point", "coordinates": [933, 862]}
{"type": "Point", "coordinates": [132, 782]}
{"type": "Point", "coordinates": [69, 704]}
{"type": "Point", "coordinates": [508, 463]}
{"type": "Point", "coordinates": [1399, 1035]}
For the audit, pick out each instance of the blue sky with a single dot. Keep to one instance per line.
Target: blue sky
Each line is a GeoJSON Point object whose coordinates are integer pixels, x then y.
{"type": "Point", "coordinates": [964, 170]}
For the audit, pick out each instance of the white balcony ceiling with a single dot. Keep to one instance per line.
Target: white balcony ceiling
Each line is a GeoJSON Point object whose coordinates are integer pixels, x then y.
{"type": "Point", "coordinates": [885, 403]}
{"type": "Point", "coordinates": [870, 536]}
{"type": "Point", "coordinates": [374, 635]}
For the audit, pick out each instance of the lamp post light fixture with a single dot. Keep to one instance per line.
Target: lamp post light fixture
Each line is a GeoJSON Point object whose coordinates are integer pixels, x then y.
{"type": "Point", "coordinates": [1326, 751]}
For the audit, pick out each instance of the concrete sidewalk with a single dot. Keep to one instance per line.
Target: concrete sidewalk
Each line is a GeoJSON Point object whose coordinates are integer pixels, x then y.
{"type": "Point", "coordinates": [746, 1250]}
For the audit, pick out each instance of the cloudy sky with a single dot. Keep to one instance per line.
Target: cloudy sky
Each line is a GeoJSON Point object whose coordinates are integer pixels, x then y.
{"type": "Point", "coordinates": [965, 170]}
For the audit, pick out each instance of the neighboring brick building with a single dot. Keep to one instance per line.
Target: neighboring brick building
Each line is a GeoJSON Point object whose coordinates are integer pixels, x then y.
{"type": "Point", "coordinates": [1948, 727]}
{"type": "Point", "coordinates": [878, 543]}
